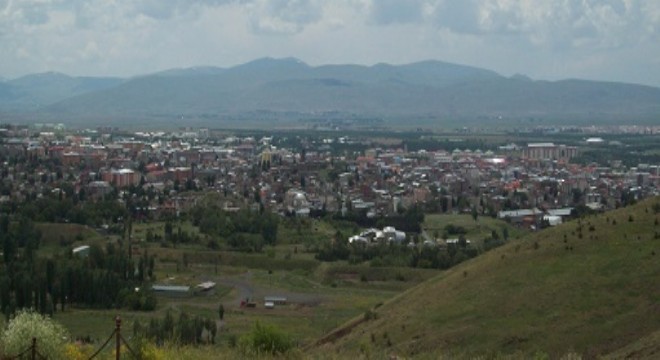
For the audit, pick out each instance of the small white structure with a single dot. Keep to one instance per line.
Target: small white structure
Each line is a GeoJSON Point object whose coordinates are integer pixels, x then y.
{"type": "Point", "coordinates": [176, 290]}
{"type": "Point", "coordinates": [206, 286]}
{"type": "Point", "coordinates": [82, 251]}
{"type": "Point", "coordinates": [389, 234]}
{"type": "Point", "coordinates": [296, 203]}
{"type": "Point", "coordinates": [456, 242]}
{"type": "Point", "coordinates": [271, 301]}
{"type": "Point", "coordinates": [393, 235]}
{"type": "Point", "coordinates": [553, 220]}
{"type": "Point", "coordinates": [276, 300]}
{"type": "Point", "coordinates": [429, 243]}
{"type": "Point", "coordinates": [269, 305]}
{"type": "Point", "coordinates": [358, 240]}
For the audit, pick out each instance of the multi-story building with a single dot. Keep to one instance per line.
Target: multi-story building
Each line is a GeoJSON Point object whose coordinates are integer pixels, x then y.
{"type": "Point", "coordinates": [549, 151]}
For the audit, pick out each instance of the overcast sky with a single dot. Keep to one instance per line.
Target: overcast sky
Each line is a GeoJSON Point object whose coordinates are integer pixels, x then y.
{"type": "Point", "coordinates": [614, 40]}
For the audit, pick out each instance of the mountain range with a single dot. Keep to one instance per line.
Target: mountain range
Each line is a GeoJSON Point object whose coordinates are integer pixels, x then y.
{"type": "Point", "coordinates": [290, 89]}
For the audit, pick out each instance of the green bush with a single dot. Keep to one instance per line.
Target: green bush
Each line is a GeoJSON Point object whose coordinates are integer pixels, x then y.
{"type": "Point", "coordinates": [265, 339]}
{"type": "Point", "coordinates": [51, 336]}
{"type": "Point", "coordinates": [370, 315]}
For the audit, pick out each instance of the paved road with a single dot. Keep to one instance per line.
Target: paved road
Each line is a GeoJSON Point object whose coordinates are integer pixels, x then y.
{"type": "Point", "coordinates": [248, 289]}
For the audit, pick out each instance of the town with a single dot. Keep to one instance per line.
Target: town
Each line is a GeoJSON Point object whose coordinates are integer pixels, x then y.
{"type": "Point", "coordinates": [282, 225]}
{"type": "Point", "coordinates": [311, 174]}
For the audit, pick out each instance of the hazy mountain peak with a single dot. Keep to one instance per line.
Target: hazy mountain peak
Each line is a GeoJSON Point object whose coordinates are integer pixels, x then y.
{"type": "Point", "coordinates": [521, 77]}
{"type": "Point", "coordinates": [446, 67]}
{"type": "Point", "coordinates": [269, 62]}
{"type": "Point", "coordinates": [193, 71]}
{"type": "Point", "coordinates": [41, 77]}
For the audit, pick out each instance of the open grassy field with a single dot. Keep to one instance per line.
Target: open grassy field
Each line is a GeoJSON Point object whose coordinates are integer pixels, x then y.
{"type": "Point", "coordinates": [321, 295]}
{"type": "Point", "coordinates": [434, 224]}
{"type": "Point", "coordinates": [56, 236]}
{"type": "Point", "coordinates": [313, 309]}
{"type": "Point", "coordinates": [587, 287]}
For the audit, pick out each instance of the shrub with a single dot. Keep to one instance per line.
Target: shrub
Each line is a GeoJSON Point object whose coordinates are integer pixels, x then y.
{"type": "Point", "coordinates": [213, 244]}
{"type": "Point", "coordinates": [265, 339]}
{"type": "Point", "coordinates": [232, 340]}
{"type": "Point", "coordinates": [77, 352]}
{"type": "Point", "coordinates": [51, 336]}
{"type": "Point", "coordinates": [146, 350]}
{"type": "Point", "coordinates": [452, 229]}
{"type": "Point", "coordinates": [370, 315]}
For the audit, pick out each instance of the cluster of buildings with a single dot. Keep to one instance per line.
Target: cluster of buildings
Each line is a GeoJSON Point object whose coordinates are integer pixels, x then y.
{"type": "Point", "coordinates": [389, 234]}
{"type": "Point", "coordinates": [318, 174]}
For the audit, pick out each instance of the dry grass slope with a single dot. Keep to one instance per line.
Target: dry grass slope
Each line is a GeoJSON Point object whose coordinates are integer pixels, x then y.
{"type": "Point", "coordinates": [587, 287]}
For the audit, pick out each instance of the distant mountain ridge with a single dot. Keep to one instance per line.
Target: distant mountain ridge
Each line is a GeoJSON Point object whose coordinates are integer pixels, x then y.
{"type": "Point", "coordinates": [290, 88]}
{"type": "Point", "coordinates": [34, 91]}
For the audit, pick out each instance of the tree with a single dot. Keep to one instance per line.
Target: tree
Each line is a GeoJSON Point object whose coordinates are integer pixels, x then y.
{"type": "Point", "coordinates": [462, 242]}
{"type": "Point", "coordinates": [51, 336]}
{"type": "Point", "coordinates": [221, 312]}
{"type": "Point", "coordinates": [257, 196]}
{"type": "Point", "coordinates": [168, 230]}
{"type": "Point", "coordinates": [577, 196]}
{"type": "Point", "coordinates": [444, 204]}
{"type": "Point", "coordinates": [9, 247]}
{"type": "Point", "coordinates": [167, 331]}
{"type": "Point", "coordinates": [212, 328]}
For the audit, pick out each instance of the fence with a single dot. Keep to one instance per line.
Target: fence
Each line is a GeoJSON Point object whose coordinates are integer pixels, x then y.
{"type": "Point", "coordinates": [32, 352]}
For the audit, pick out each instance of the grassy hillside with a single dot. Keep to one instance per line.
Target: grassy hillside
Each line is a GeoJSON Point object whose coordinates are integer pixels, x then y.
{"type": "Point", "coordinates": [588, 287]}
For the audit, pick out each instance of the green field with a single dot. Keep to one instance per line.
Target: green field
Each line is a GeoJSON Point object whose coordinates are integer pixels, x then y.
{"type": "Point", "coordinates": [477, 231]}
{"type": "Point", "coordinates": [321, 295]}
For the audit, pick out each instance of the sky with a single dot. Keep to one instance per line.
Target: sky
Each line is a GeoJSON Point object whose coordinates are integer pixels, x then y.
{"type": "Point", "coordinates": [612, 40]}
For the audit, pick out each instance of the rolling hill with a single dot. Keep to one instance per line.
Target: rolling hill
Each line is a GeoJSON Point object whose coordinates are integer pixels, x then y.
{"type": "Point", "coordinates": [290, 89]}
{"type": "Point", "coordinates": [587, 287]}
{"type": "Point", "coordinates": [32, 92]}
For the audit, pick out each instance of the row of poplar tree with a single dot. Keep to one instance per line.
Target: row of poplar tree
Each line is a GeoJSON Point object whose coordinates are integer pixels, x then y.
{"type": "Point", "coordinates": [185, 330]}
{"type": "Point", "coordinates": [106, 278]}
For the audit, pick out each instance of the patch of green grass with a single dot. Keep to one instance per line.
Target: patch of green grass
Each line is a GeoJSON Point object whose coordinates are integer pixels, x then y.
{"type": "Point", "coordinates": [477, 230]}
{"type": "Point", "coordinates": [58, 237]}
{"type": "Point", "coordinates": [99, 324]}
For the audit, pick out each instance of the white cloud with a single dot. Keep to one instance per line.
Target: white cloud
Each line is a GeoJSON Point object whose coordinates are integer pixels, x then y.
{"type": "Point", "coordinates": [384, 12]}
{"type": "Point", "coordinates": [283, 16]}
